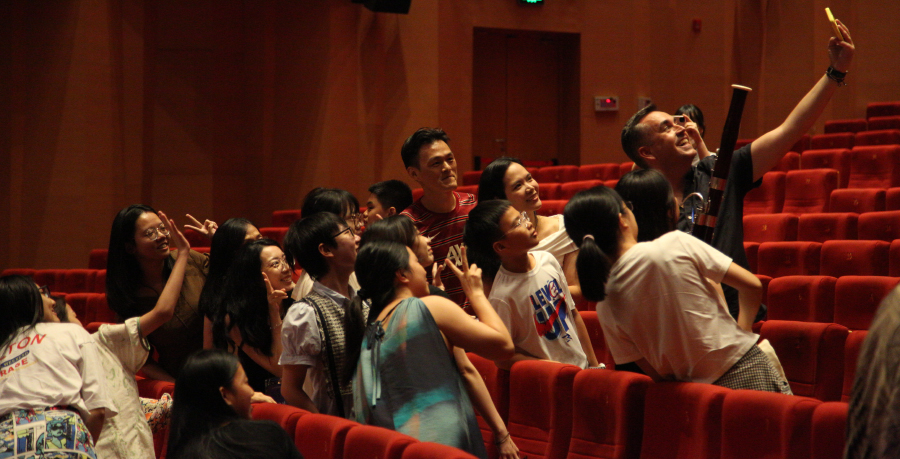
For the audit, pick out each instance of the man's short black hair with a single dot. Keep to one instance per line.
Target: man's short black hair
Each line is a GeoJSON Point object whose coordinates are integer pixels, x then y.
{"type": "Point", "coordinates": [424, 136]}
{"type": "Point", "coordinates": [392, 193]}
{"type": "Point", "coordinates": [635, 135]}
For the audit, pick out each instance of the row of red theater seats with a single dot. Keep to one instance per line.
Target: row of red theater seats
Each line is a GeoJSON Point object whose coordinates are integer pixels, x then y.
{"type": "Point", "coordinates": [65, 280]}
{"type": "Point", "coordinates": [876, 123]}
{"type": "Point", "coordinates": [320, 436]}
{"type": "Point", "coordinates": [821, 227]}
{"type": "Point", "coordinates": [834, 258]}
{"type": "Point", "coordinates": [557, 411]}
{"type": "Point", "coordinates": [850, 300]}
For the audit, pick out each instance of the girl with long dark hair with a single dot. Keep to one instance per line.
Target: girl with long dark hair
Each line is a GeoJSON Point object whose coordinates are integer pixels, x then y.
{"type": "Point", "coordinates": [52, 379]}
{"type": "Point", "coordinates": [211, 413]}
{"type": "Point", "coordinates": [251, 306]}
{"type": "Point", "coordinates": [506, 178]}
{"type": "Point", "coordinates": [411, 333]}
{"type": "Point", "coordinates": [657, 304]}
{"type": "Point", "coordinates": [138, 268]}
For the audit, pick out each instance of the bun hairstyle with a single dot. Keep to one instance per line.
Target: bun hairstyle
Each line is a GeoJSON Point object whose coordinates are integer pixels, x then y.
{"type": "Point", "coordinates": [490, 185]}
{"type": "Point", "coordinates": [653, 198]}
{"type": "Point", "coordinates": [376, 265]}
{"type": "Point", "coordinates": [592, 221]}
{"type": "Point", "coordinates": [482, 231]}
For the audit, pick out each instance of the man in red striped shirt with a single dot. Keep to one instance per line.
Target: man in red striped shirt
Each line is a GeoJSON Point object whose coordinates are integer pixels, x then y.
{"type": "Point", "coordinates": [441, 213]}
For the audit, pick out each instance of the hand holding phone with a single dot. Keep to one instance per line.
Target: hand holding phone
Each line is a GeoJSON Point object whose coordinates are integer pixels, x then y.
{"type": "Point", "coordinates": [834, 27]}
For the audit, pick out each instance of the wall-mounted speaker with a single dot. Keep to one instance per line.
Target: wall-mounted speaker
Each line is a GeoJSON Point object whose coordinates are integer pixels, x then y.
{"type": "Point", "coordinates": [386, 6]}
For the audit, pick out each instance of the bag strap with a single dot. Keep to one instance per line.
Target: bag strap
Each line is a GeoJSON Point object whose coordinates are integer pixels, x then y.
{"type": "Point", "coordinates": [329, 352]}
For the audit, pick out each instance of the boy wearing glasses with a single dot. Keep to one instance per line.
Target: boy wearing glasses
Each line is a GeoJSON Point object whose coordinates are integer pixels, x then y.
{"type": "Point", "coordinates": [529, 289]}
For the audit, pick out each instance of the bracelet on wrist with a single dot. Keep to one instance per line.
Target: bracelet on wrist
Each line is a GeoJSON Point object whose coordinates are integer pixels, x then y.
{"type": "Point", "coordinates": [503, 440]}
{"type": "Point", "coordinates": [836, 75]}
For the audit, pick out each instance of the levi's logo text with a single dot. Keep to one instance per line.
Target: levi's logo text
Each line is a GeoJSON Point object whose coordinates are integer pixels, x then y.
{"type": "Point", "coordinates": [550, 311]}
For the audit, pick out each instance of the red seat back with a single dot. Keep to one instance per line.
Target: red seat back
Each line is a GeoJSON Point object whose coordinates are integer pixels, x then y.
{"type": "Point", "coordinates": [875, 167]}
{"type": "Point", "coordinates": [552, 207]}
{"type": "Point", "coordinates": [471, 177]}
{"type": "Point", "coordinates": [838, 159]}
{"type": "Point", "coordinates": [567, 190]}
{"type": "Point", "coordinates": [97, 259]}
{"type": "Point", "coordinates": [473, 189]}
{"type": "Point", "coordinates": [626, 167]}
{"type": "Point", "coordinates": [857, 200]}
{"type": "Point", "coordinates": [608, 414]}
{"type": "Point", "coordinates": [852, 125]}
{"type": "Point", "coordinates": [856, 299]}
{"type": "Point", "coordinates": [829, 425]}
{"type": "Point", "coordinates": [19, 272]}
{"type": "Point", "coordinates": [371, 442]}
{"type": "Point", "coordinates": [598, 341]}
{"type": "Point", "coordinates": [320, 436]}
{"type": "Point", "coordinates": [497, 382]}
{"type": "Point", "coordinates": [879, 123]}
{"type": "Point", "coordinates": [801, 298]}
{"type": "Point", "coordinates": [53, 278]}
{"type": "Point", "coordinates": [812, 355]}
{"type": "Point", "coordinates": [541, 426]}
{"type": "Point", "coordinates": [751, 249]}
{"type": "Point", "coordinates": [882, 226]}
{"type": "Point", "coordinates": [698, 410]}
{"type": "Point", "coordinates": [851, 358]}
{"type": "Point", "coordinates": [274, 233]}
{"type": "Point", "coordinates": [789, 162]}
{"type": "Point", "coordinates": [894, 263]}
{"type": "Point", "coordinates": [798, 258]}
{"type": "Point", "coordinates": [558, 174]}
{"type": "Point", "coordinates": [874, 109]}
{"type": "Point", "coordinates": [821, 227]}
{"type": "Point", "coordinates": [599, 172]}
{"type": "Point", "coordinates": [548, 191]}
{"type": "Point", "coordinates": [854, 258]}
{"type": "Point", "coordinates": [768, 198]}
{"type": "Point", "coordinates": [286, 217]}
{"type": "Point", "coordinates": [766, 425]}
{"type": "Point", "coordinates": [195, 239]}
{"type": "Point", "coordinates": [428, 450]}
{"type": "Point", "coordinates": [879, 137]}
{"type": "Point", "coordinates": [285, 415]}
{"type": "Point", "coordinates": [829, 141]}
{"type": "Point", "coordinates": [770, 227]}
{"type": "Point", "coordinates": [809, 190]}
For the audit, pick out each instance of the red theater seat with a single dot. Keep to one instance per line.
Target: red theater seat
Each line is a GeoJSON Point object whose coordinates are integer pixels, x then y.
{"type": "Point", "coordinates": [828, 141]}
{"type": "Point", "coordinates": [152, 388]}
{"type": "Point", "coordinates": [100, 281]}
{"type": "Point", "coordinates": [770, 227]}
{"type": "Point", "coordinates": [428, 450]}
{"type": "Point", "coordinates": [768, 198]}
{"type": "Point", "coordinates": [801, 298]}
{"type": "Point", "coordinates": [854, 258]}
{"type": "Point", "coordinates": [892, 199]}
{"type": "Point", "coordinates": [741, 142]}
{"type": "Point", "coordinates": [598, 341]}
{"type": "Point", "coordinates": [611, 183]}
{"type": "Point", "coordinates": [894, 256]}
{"type": "Point", "coordinates": [567, 190]}
{"type": "Point", "coordinates": [857, 200]}
{"type": "Point", "coordinates": [320, 436]}
{"type": "Point", "coordinates": [558, 174]}
{"type": "Point", "coordinates": [829, 426]}
{"type": "Point", "coordinates": [285, 217]}
{"type": "Point", "coordinates": [195, 239]}
{"type": "Point", "coordinates": [838, 159]}
{"type": "Point", "coordinates": [371, 442]}
{"type": "Point", "coordinates": [473, 189]}
{"type": "Point", "coordinates": [789, 162]}
{"type": "Point", "coordinates": [471, 177]}
{"type": "Point", "coordinates": [881, 137]}
{"type": "Point", "coordinates": [497, 383]}
{"type": "Point", "coordinates": [764, 280]}
{"type": "Point", "coordinates": [812, 355]}
{"type": "Point", "coordinates": [53, 278]}
{"type": "Point", "coordinates": [552, 207]}
{"type": "Point", "coordinates": [879, 123]}
{"type": "Point", "coordinates": [823, 227]}
{"type": "Point", "coordinates": [798, 258]}
{"type": "Point", "coordinates": [851, 357]}
{"type": "Point", "coordinates": [285, 415]}
{"type": "Point", "coordinates": [882, 226]}
{"type": "Point", "coordinates": [97, 259]}
{"type": "Point", "coordinates": [599, 172]}
{"type": "Point", "coordinates": [766, 425]}
{"type": "Point", "coordinates": [874, 109]}
{"type": "Point", "coordinates": [856, 299]}
{"type": "Point", "coordinates": [19, 272]}
{"type": "Point", "coordinates": [541, 425]}
{"type": "Point", "coordinates": [803, 144]}
{"type": "Point", "coordinates": [607, 414]}
{"type": "Point", "coordinates": [875, 167]}
{"type": "Point", "coordinates": [79, 304]}
{"type": "Point", "coordinates": [417, 193]}
{"type": "Point", "coordinates": [78, 280]}
{"type": "Point", "coordinates": [853, 125]}
{"type": "Point", "coordinates": [697, 432]}
{"type": "Point", "coordinates": [274, 233]}
{"type": "Point", "coordinates": [625, 168]}
{"type": "Point", "coordinates": [809, 190]}
{"type": "Point", "coordinates": [752, 251]}
{"type": "Point", "coordinates": [548, 191]}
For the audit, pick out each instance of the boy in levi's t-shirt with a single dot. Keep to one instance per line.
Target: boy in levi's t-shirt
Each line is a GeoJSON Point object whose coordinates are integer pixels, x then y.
{"type": "Point", "coordinates": [529, 290]}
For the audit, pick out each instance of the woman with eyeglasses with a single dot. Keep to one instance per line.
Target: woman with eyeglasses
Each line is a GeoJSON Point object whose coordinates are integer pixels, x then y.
{"type": "Point", "coordinates": [657, 302]}
{"type": "Point", "coordinates": [506, 178]}
{"type": "Point", "coordinates": [140, 265]}
{"type": "Point", "coordinates": [52, 396]}
{"type": "Point", "coordinates": [254, 298]}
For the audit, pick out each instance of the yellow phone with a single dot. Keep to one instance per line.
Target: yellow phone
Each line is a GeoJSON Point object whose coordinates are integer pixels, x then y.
{"type": "Point", "coordinates": [834, 26]}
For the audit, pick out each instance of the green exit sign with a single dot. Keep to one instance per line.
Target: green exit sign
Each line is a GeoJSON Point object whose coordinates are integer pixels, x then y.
{"type": "Point", "coordinates": [532, 2]}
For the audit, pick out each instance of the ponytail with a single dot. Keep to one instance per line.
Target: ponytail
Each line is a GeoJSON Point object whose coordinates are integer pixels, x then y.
{"type": "Point", "coordinates": [592, 221]}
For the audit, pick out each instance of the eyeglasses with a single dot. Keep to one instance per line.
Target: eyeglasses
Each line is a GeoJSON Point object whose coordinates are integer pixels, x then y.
{"type": "Point", "coordinates": [278, 263]}
{"type": "Point", "coordinates": [45, 290]}
{"type": "Point", "coordinates": [155, 233]}
{"type": "Point", "coordinates": [355, 221]}
{"type": "Point", "coordinates": [342, 232]}
{"type": "Point", "coordinates": [629, 205]}
{"type": "Point", "coordinates": [523, 218]}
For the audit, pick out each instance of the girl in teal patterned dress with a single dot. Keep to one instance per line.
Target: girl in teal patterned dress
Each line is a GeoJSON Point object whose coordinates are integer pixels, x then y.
{"type": "Point", "coordinates": [406, 378]}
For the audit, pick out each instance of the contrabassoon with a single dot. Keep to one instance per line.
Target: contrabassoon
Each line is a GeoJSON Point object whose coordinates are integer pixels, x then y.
{"type": "Point", "coordinates": [705, 226]}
